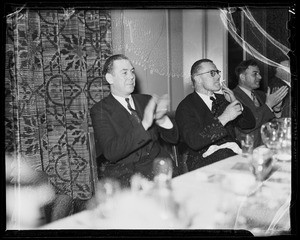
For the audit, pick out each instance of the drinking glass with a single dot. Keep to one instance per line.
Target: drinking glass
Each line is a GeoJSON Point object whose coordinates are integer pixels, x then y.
{"type": "Point", "coordinates": [163, 170]}
{"type": "Point", "coordinates": [247, 143]}
{"type": "Point", "coordinates": [107, 189]}
{"type": "Point", "coordinates": [284, 152]}
{"type": "Point", "coordinates": [270, 133]}
{"type": "Point", "coordinates": [261, 163]}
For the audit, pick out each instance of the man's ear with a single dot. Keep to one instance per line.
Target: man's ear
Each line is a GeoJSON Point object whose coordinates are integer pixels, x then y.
{"type": "Point", "coordinates": [109, 78]}
{"type": "Point", "coordinates": [242, 77]}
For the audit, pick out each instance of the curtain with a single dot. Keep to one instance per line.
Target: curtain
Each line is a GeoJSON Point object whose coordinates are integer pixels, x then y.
{"type": "Point", "coordinates": [53, 77]}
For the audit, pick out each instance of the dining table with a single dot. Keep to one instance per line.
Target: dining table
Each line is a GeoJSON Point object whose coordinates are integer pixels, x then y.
{"type": "Point", "coordinates": [224, 195]}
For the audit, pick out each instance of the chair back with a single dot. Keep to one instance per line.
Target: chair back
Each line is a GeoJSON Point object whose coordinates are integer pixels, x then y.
{"type": "Point", "coordinates": [93, 162]}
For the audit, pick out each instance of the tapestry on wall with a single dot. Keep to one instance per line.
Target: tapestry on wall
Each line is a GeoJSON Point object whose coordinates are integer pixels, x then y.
{"type": "Point", "coordinates": [53, 67]}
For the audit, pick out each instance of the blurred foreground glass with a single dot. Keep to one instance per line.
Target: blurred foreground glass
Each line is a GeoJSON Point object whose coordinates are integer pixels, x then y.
{"type": "Point", "coordinates": [163, 170]}
{"type": "Point", "coordinates": [107, 189]}
{"type": "Point", "coordinates": [284, 152]}
{"type": "Point", "coordinates": [247, 143]}
{"type": "Point", "coordinates": [270, 135]}
{"type": "Point", "coordinates": [261, 163]}
{"type": "Point", "coordinates": [162, 191]}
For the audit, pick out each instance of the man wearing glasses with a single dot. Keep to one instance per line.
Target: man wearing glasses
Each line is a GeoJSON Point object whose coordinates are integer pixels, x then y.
{"type": "Point", "coordinates": [206, 119]}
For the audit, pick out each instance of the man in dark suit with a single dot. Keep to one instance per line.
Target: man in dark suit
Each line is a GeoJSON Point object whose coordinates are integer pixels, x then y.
{"type": "Point", "coordinates": [206, 125]}
{"type": "Point", "coordinates": [283, 78]}
{"type": "Point", "coordinates": [263, 106]}
{"type": "Point", "coordinates": [127, 133]}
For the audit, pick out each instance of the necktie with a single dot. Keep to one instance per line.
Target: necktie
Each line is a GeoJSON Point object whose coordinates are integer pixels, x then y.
{"type": "Point", "coordinates": [133, 111]}
{"type": "Point", "coordinates": [256, 102]}
{"type": "Point", "coordinates": [214, 106]}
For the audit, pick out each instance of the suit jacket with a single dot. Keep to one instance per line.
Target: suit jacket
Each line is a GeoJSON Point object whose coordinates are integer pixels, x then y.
{"type": "Point", "coordinates": [123, 146]}
{"type": "Point", "coordinates": [199, 129]}
{"type": "Point", "coordinates": [286, 104]}
{"type": "Point", "coordinates": [262, 114]}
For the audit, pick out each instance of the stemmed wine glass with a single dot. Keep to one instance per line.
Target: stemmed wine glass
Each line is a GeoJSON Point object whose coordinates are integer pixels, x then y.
{"type": "Point", "coordinates": [261, 165]}
{"type": "Point", "coordinates": [270, 135]}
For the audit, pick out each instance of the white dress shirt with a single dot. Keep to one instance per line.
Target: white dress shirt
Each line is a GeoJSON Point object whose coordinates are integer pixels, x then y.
{"type": "Point", "coordinates": [206, 99]}
{"type": "Point", "coordinates": [124, 103]}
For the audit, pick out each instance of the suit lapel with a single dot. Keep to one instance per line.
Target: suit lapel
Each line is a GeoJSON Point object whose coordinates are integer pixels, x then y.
{"type": "Point", "coordinates": [118, 112]}
{"type": "Point", "coordinates": [139, 106]}
{"type": "Point", "coordinates": [244, 97]}
{"type": "Point", "coordinates": [199, 103]}
{"type": "Point", "coordinates": [258, 97]}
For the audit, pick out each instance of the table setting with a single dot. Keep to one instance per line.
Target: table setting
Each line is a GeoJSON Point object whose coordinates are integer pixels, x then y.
{"type": "Point", "coordinates": [249, 191]}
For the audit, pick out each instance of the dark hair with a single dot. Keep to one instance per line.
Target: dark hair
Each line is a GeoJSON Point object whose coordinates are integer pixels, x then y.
{"type": "Point", "coordinates": [108, 65]}
{"type": "Point", "coordinates": [196, 66]}
{"type": "Point", "coordinates": [241, 68]}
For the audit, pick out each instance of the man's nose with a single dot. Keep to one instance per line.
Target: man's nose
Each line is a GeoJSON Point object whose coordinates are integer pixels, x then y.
{"type": "Point", "coordinates": [131, 75]}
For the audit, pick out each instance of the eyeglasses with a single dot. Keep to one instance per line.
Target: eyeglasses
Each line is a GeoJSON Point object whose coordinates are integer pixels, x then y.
{"type": "Point", "coordinates": [212, 73]}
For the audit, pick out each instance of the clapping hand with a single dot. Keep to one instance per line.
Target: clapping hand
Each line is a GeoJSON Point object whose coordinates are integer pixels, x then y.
{"type": "Point", "coordinates": [162, 109]}
{"type": "Point", "coordinates": [276, 97]}
{"type": "Point", "coordinates": [149, 113]}
{"type": "Point", "coordinates": [162, 106]}
{"type": "Point", "coordinates": [156, 109]}
{"type": "Point", "coordinates": [277, 106]}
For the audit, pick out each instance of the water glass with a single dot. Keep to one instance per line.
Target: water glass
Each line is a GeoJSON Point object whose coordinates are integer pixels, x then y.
{"type": "Point", "coordinates": [107, 189]}
{"type": "Point", "coordinates": [261, 163]}
{"type": "Point", "coordinates": [284, 152]}
{"type": "Point", "coordinates": [247, 143]}
{"type": "Point", "coordinates": [162, 169]}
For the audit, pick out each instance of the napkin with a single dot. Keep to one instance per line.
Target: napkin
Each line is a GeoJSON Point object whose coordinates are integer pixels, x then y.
{"type": "Point", "coordinates": [231, 145]}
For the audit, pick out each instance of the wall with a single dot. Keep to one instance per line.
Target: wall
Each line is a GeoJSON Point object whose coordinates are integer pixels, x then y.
{"type": "Point", "coordinates": [193, 43]}
{"type": "Point", "coordinates": [163, 44]}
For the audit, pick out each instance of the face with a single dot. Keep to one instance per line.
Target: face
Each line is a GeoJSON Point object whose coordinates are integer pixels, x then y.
{"type": "Point", "coordinates": [204, 81]}
{"type": "Point", "coordinates": [122, 78]}
{"type": "Point", "coordinates": [251, 78]}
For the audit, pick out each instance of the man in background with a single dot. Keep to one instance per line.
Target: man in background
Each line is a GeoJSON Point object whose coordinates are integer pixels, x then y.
{"type": "Point", "coordinates": [264, 106]}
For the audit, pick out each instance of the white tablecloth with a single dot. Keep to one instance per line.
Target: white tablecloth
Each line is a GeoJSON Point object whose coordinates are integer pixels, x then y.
{"type": "Point", "coordinates": [222, 195]}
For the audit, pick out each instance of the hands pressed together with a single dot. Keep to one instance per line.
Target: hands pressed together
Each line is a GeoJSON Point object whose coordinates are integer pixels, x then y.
{"type": "Point", "coordinates": [275, 98]}
{"type": "Point", "coordinates": [156, 110]}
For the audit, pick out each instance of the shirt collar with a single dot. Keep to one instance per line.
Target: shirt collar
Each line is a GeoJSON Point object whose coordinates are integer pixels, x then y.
{"type": "Point", "coordinates": [206, 99]}
{"type": "Point", "coordinates": [122, 101]}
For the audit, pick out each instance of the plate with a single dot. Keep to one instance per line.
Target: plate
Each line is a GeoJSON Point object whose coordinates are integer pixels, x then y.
{"type": "Point", "coordinates": [283, 157]}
